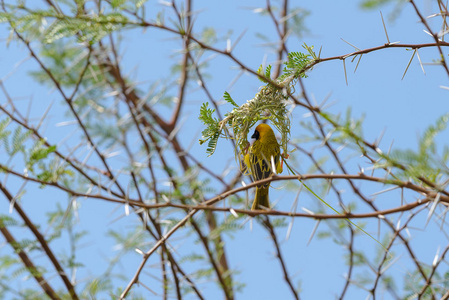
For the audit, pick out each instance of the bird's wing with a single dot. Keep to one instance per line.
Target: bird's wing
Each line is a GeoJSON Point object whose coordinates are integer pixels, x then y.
{"type": "Point", "coordinates": [246, 165]}
{"type": "Point", "coordinates": [260, 167]}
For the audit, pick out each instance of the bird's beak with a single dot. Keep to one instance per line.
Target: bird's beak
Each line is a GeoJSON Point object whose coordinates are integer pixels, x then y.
{"type": "Point", "coordinates": [255, 135]}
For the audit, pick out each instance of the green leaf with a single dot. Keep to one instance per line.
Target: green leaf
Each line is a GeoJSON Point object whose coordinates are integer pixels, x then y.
{"type": "Point", "coordinates": [42, 153]}
{"type": "Point", "coordinates": [117, 3]}
{"type": "Point", "coordinates": [427, 143]}
{"type": "Point", "coordinates": [37, 153]}
{"type": "Point", "coordinates": [296, 65]}
{"type": "Point", "coordinates": [4, 133]}
{"type": "Point", "coordinates": [4, 17]}
{"type": "Point", "coordinates": [96, 286]}
{"type": "Point", "coordinates": [140, 3]}
{"type": "Point", "coordinates": [212, 145]}
{"type": "Point", "coordinates": [194, 257]}
{"type": "Point", "coordinates": [7, 221]}
{"type": "Point", "coordinates": [228, 99]}
{"type": "Point", "coordinates": [18, 139]}
{"type": "Point", "coordinates": [297, 22]}
{"type": "Point", "coordinates": [63, 28]}
{"type": "Point", "coordinates": [91, 29]}
{"type": "Point", "coordinates": [268, 71]}
{"type": "Point", "coordinates": [279, 222]}
{"type": "Point", "coordinates": [260, 71]}
{"type": "Point", "coordinates": [212, 131]}
{"type": "Point", "coordinates": [373, 4]}
{"type": "Point", "coordinates": [206, 113]}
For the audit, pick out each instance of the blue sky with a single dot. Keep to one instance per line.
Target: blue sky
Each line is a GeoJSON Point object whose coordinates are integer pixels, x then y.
{"type": "Point", "coordinates": [403, 108]}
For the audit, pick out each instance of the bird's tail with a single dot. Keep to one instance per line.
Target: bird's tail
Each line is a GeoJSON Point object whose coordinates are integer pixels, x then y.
{"type": "Point", "coordinates": [261, 199]}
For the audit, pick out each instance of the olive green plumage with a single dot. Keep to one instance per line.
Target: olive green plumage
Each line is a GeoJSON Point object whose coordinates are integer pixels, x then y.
{"type": "Point", "coordinates": [263, 154]}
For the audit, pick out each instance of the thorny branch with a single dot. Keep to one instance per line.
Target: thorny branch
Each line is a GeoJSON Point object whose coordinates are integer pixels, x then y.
{"type": "Point", "coordinates": [167, 162]}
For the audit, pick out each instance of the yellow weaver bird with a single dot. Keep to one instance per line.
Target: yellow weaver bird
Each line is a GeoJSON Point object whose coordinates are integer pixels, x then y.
{"type": "Point", "coordinates": [263, 156]}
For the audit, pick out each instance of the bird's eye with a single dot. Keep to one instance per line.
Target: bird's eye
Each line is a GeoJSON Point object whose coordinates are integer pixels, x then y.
{"type": "Point", "coordinates": [255, 135]}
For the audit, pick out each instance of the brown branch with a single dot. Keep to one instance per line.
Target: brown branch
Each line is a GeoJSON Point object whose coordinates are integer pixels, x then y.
{"type": "Point", "coordinates": [388, 247]}
{"type": "Point", "coordinates": [28, 263]}
{"type": "Point", "coordinates": [206, 205]}
{"type": "Point", "coordinates": [185, 59]}
{"type": "Point", "coordinates": [173, 263]}
{"type": "Point", "coordinates": [69, 102]}
{"type": "Point", "coordinates": [351, 262]}
{"type": "Point", "coordinates": [186, 218]}
{"type": "Point", "coordinates": [144, 23]}
{"type": "Point", "coordinates": [147, 255]}
{"type": "Point", "coordinates": [434, 35]}
{"type": "Point", "coordinates": [41, 239]}
{"type": "Point", "coordinates": [210, 218]}
{"type": "Point", "coordinates": [432, 273]}
{"type": "Point", "coordinates": [211, 222]}
{"type": "Point", "coordinates": [280, 257]}
{"type": "Point", "coordinates": [131, 95]}
{"type": "Point", "coordinates": [226, 283]}
{"type": "Point", "coordinates": [355, 189]}
{"type": "Point", "coordinates": [282, 33]}
{"type": "Point", "coordinates": [154, 122]}
{"type": "Point", "coordinates": [71, 162]}
{"type": "Point", "coordinates": [227, 289]}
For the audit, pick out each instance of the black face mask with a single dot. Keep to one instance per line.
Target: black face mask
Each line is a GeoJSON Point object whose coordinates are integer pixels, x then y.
{"type": "Point", "coordinates": [255, 135]}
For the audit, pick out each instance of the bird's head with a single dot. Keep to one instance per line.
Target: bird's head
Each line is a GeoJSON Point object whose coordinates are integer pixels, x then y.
{"type": "Point", "coordinates": [262, 131]}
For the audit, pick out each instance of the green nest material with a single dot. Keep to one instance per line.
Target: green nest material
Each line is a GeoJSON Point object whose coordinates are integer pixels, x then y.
{"type": "Point", "coordinates": [270, 103]}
